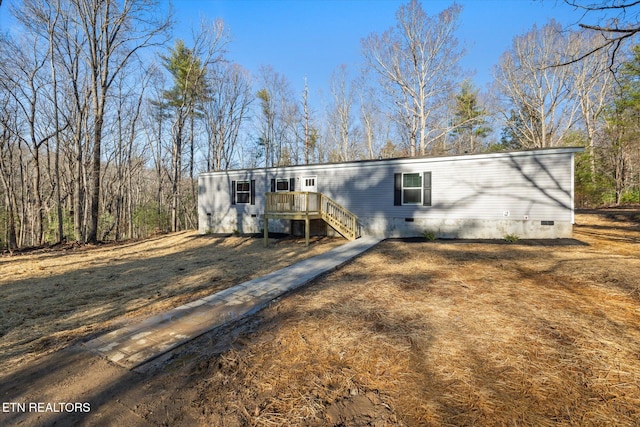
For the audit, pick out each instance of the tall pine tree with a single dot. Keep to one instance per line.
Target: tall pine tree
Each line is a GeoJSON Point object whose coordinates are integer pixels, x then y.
{"type": "Point", "coordinates": [469, 123]}
{"type": "Point", "coordinates": [189, 89]}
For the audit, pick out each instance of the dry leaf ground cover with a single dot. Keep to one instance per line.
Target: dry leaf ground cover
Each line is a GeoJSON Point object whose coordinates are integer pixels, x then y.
{"type": "Point", "coordinates": [411, 333]}
{"type": "Point", "coordinates": [449, 333]}
{"type": "Point", "coordinates": [52, 298]}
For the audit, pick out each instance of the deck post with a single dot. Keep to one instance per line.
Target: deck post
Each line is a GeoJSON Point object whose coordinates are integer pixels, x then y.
{"type": "Point", "coordinates": [296, 205]}
{"type": "Point", "coordinates": [307, 226]}
{"type": "Point", "coordinates": [266, 231]}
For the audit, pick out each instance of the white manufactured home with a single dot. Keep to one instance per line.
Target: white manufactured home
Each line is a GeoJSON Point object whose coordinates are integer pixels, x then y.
{"type": "Point", "coordinates": [524, 193]}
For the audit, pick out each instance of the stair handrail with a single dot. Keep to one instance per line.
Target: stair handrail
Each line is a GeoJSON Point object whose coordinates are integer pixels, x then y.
{"type": "Point", "coordinates": [337, 215]}
{"type": "Point", "coordinates": [332, 212]}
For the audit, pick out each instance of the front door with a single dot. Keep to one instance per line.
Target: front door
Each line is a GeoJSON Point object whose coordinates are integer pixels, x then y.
{"type": "Point", "coordinates": [309, 183]}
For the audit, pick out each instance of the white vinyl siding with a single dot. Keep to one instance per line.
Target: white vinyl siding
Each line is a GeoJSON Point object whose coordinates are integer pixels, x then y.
{"type": "Point", "coordinates": [536, 185]}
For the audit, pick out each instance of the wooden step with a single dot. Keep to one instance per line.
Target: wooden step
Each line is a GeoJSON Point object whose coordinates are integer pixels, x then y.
{"type": "Point", "coordinates": [309, 205]}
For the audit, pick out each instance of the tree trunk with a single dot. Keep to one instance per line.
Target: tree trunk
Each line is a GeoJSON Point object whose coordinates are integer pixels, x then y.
{"type": "Point", "coordinates": [177, 172]}
{"type": "Point", "coordinates": [78, 200]}
{"type": "Point", "coordinates": [10, 201]}
{"type": "Point", "coordinates": [94, 212]}
{"type": "Point", "coordinates": [192, 182]}
{"type": "Point", "coordinates": [159, 172]}
{"type": "Point", "coordinates": [56, 119]}
{"type": "Point", "coordinates": [39, 216]}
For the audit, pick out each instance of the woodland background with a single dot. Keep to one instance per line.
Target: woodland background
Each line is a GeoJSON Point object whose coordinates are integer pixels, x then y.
{"type": "Point", "coordinates": [105, 122]}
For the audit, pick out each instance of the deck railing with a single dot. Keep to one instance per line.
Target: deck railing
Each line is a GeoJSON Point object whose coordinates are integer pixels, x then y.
{"type": "Point", "coordinates": [293, 202]}
{"type": "Point", "coordinates": [303, 205]}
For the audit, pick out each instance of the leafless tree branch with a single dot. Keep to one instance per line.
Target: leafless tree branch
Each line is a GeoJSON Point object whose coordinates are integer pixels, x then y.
{"type": "Point", "coordinates": [593, 7]}
{"type": "Point", "coordinates": [614, 34]}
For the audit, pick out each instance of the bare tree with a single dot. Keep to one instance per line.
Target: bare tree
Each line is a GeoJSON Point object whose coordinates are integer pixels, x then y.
{"type": "Point", "coordinates": [154, 118]}
{"type": "Point", "coordinates": [114, 32]}
{"type": "Point", "coordinates": [537, 99]}
{"type": "Point", "coordinates": [310, 134]}
{"type": "Point", "coordinates": [23, 75]}
{"type": "Point", "coordinates": [124, 153]}
{"type": "Point", "coordinates": [374, 125]}
{"type": "Point", "coordinates": [341, 120]}
{"type": "Point", "coordinates": [593, 86]}
{"type": "Point", "coordinates": [417, 64]}
{"type": "Point", "coordinates": [225, 111]}
{"type": "Point", "coordinates": [72, 97]}
{"type": "Point", "coordinates": [8, 167]}
{"type": "Point", "coordinates": [278, 119]}
{"type": "Point", "coordinates": [40, 19]}
{"type": "Point", "coordinates": [70, 88]}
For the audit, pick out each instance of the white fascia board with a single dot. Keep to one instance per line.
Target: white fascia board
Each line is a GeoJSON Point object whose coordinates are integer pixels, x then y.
{"type": "Point", "coordinates": [302, 169]}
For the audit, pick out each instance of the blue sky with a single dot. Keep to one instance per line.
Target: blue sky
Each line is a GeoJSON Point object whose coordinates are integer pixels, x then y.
{"type": "Point", "coordinates": [311, 38]}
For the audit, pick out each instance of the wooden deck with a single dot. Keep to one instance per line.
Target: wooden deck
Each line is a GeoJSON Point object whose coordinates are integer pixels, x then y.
{"type": "Point", "coordinates": [299, 205]}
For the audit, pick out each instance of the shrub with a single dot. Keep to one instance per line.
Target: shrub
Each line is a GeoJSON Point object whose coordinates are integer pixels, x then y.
{"type": "Point", "coordinates": [630, 196]}
{"type": "Point", "coordinates": [511, 238]}
{"type": "Point", "coordinates": [429, 236]}
{"type": "Point", "coordinates": [148, 220]}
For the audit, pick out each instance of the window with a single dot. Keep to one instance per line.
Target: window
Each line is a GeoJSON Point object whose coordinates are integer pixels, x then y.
{"type": "Point", "coordinates": [282, 185]}
{"type": "Point", "coordinates": [243, 192]}
{"type": "Point", "coordinates": [309, 182]}
{"type": "Point", "coordinates": [412, 189]}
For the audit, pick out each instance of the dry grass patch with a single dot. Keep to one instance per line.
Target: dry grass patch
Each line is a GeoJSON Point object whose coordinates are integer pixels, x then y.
{"type": "Point", "coordinates": [50, 299]}
{"type": "Point", "coordinates": [533, 333]}
{"type": "Point", "coordinates": [448, 333]}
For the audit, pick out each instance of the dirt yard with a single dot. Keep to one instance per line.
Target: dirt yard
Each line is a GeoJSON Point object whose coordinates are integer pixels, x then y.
{"type": "Point", "coordinates": [53, 298]}
{"type": "Point", "coordinates": [411, 333]}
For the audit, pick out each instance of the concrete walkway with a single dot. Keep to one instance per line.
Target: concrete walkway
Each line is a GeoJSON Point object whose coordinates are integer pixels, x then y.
{"type": "Point", "coordinates": [136, 344]}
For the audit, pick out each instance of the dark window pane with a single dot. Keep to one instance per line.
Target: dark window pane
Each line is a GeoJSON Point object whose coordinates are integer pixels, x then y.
{"type": "Point", "coordinates": [243, 185]}
{"type": "Point", "coordinates": [413, 195]}
{"type": "Point", "coordinates": [282, 185]}
{"type": "Point", "coordinates": [243, 197]}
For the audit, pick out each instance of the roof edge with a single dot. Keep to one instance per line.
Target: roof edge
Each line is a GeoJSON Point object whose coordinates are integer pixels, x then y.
{"type": "Point", "coordinates": [549, 150]}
